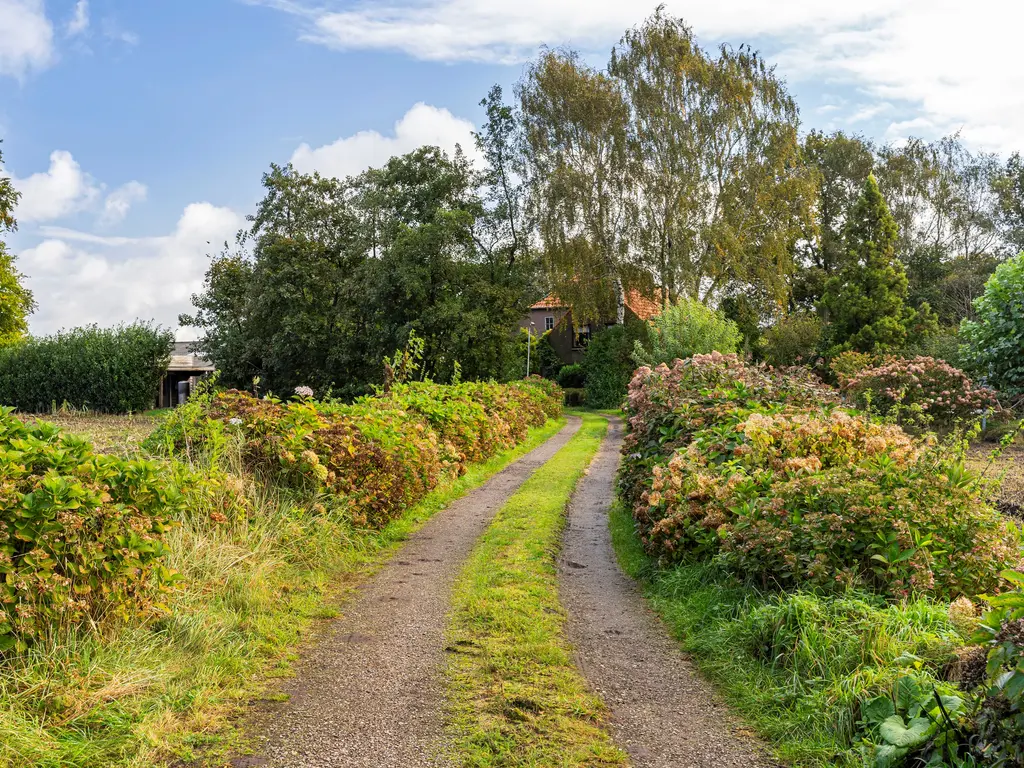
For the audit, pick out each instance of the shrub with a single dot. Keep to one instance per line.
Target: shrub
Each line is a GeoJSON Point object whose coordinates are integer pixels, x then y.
{"type": "Point", "coordinates": [608, 363]}
{"type": "Point", "coordinates": [81, 534]}
{"type": "Point", "coordinates": [571, 377]}
{"type": "Point", "coordinates": [685, 329]}
{"type": "Point", "coordinates": [742, 465]}
{"type": "Point", "coordinates": [794, 340]}
{"type": "Point", "coordinates": [994, 342]}
{"type": "Point", "coordinates": [848, 364]}
{"type": "Point", "coordinates": [1000, 722]}
{"type": "Point", "coordinates": [829, 500]}
{"type": "Point", "coordinates": [920, 392]}
{"type": "Point", "coordinates": [113, 370]}
{"type": "Point", "coordinates": [376, 456]}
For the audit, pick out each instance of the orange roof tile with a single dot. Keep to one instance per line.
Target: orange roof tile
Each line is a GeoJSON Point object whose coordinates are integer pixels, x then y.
{"type": "Point", "coordinates": [642, 306]}
{"type": "Point", "coordinates": [549, 302]}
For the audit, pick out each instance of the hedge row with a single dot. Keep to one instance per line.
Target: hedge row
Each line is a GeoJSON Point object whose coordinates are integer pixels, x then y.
{"type": "Point", "coordinates": [761, 471]}
{"type": "Point", "coordinates": [112, 370]}
{"type": "Point", "coordinates": [379, 455]}
{"type": "Point", "coordinates": [82, 533]}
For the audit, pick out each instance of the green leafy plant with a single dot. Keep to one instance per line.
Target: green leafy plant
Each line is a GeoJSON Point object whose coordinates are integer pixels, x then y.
{"type": "Point", "coordinates": [684, 329]}
{"type": "Point", "coordinates": [994, 342]}
{"type": "Point", "coordinates": [81, 534]}
{"type": "Point", "coordinates": [111, 370]}
{"type": "Point", "coordinates": [793, 340]}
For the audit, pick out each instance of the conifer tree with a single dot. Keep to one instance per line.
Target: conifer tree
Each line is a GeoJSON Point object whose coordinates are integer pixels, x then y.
{"type": "Point", "coordinates": [865, 304]}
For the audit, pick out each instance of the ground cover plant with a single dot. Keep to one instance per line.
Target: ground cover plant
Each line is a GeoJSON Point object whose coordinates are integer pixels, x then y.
{"type": "Point", "coordinates": [826, 568]}
{"type": "Point", "coordinates": [518, 699]}
{"type": "Point", "coordinates": [257, 556]}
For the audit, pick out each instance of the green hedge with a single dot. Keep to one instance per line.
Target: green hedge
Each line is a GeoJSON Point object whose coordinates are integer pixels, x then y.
{"type": "Point", "coordinates": [113, 370]}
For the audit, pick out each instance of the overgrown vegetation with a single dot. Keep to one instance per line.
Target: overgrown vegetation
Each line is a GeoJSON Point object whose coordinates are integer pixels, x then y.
{"type": "Point", "coordinates": [518, 699]}
{"type": "Point", "coordinates": [143, 666]}
{"type": "Point", "coordinates": [826, 569]}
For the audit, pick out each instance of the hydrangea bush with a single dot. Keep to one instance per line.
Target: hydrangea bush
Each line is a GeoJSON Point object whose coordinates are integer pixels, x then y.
{"type": "Point", "coordinates": [921, 391]}
{"type": "Point", "coordinates": [765, 473]}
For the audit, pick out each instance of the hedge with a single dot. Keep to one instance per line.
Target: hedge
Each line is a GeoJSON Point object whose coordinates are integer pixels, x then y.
{"type": "Point", "coordinates": [111, 370]}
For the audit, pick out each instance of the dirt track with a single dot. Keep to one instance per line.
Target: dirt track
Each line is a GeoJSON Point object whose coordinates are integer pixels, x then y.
{"type": "Point", "coordinates": [663, 714]}
{"type": "Point", "coordinates": [370, 692]}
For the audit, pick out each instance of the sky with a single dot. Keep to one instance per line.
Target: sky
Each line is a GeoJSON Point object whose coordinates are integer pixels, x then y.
{"type": "Point", "coordinates": [137, 131]}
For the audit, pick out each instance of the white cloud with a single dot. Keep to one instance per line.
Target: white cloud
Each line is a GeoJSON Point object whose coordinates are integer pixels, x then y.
{"type": "Point", "coordinates": [26, 37]}
{"type": "Point", "coordinates": [422, 124]}
{"type": "Point", "coordinates": [954, 65]}
{"type": "Point", "coordinates": [119, 202]}
{"type": "Point", "coordinates": [61, 190]}
{"type": "Point", "coordinates": [80, 278]}
{"type": "Point", "coordinates": [79, 22]}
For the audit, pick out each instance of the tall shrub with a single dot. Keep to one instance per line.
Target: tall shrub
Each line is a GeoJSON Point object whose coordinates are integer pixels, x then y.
{"type": "Point", "coordinates": [114, 370]}
{"type": "Point", "coordinates": [866, 303]}
{"type": "Point", "coordinates": [794, 340]}
{"type": "Point", "coordinates": [685, 329]}
{"type": "Point", "coordinates": [994, 343]}
{"type": "Point", "coordinates": [608, 363]}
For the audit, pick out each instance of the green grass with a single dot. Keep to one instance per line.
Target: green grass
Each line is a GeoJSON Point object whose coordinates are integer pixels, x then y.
{"type": "Point", "coordinates": [143, 695]}
{"type": "Point", "coordinates": [517, 697]}
{"type": "Point", "coordinates": [794, 665]}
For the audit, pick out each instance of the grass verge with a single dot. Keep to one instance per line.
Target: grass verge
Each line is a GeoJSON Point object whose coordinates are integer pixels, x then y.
{"type": "Point", "coordinates": [168, 691]}
{"type": "Point", "coordinates": [794, 665]}
{"type": "Point", "coordinates": [518, 699]}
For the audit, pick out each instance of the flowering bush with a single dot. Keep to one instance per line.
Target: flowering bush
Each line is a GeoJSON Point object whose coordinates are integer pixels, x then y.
{"type": "Point", "coordinates": [381, 454]}
{"type": "Point", "coordinates": [762, 471]}
{"type": "Point", "coordinates": [922, 391]}
{"type": "Point", "coordinates": [667, 406]}
{"type": "Point", "coordinates": [81, 533]}
{"type": "Point", "coordinates": [828, 499]}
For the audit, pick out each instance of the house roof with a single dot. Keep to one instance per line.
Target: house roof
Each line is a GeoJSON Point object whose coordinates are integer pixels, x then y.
{"type": "Point", "coordinates": [643, 307]}
{"type": "Point", "coordinates": [184, 359]}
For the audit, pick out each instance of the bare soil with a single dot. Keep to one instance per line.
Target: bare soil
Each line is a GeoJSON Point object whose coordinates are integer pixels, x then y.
{"type": "Point", "coordinates": [370, 693]}
{"type": "Point", "coordinates": [662, 712]}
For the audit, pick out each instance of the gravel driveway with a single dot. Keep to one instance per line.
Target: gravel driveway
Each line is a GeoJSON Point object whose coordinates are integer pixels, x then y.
{"type": "Point", "coordinates": [662, 713]}
{"type": "Point", "coordinates": [370, 692]}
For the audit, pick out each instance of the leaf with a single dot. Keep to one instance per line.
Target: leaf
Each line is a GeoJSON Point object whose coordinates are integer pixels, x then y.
{"type": "Point", "coordinates": [875, 711]}
{"type": "Point", "coordinates": [888, 756]}
{"type": "Point", "coordinates": [908, 694]}
{"type": "Point", "coordinates": [912, 734]}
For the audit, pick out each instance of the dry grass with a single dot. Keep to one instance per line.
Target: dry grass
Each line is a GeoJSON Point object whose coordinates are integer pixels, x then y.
{"type": "Point", "coordinates": [121, 435]}
{"type": "Point", "coordinates": [1009, 465]}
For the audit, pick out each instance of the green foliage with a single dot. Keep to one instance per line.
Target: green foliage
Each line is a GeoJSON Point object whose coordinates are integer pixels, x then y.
{"type": "Point", "coordinates": [684, 329]}
{"type": "Point", "coordinates": [377, 456]}
{"type": "Point", "coordinates": [608, 363]}
{"type": "Point", "coordinates": [81, 534]}
{"type": "Point", "coordinates": [111, 370]}
{"type": "Point", "coordinates": [571, 376]}
{"type": "Point", "coordinates": [16, 301]}
{"type": "Point", "coordinates": [751, 471]}
{"type": "Point", "coordinates": [994, 342]}
{"type": "Point", "coordinates": [794, 340]}
{"type": "Point", "coordinates": [331, 274]}
{"type": "Point", "coordinates": [1000, 722]}
{"type": "Point", "coordinates": [866, 301]}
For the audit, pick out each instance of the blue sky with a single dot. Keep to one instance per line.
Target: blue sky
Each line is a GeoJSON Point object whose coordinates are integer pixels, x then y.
{"type": "Point", "coordinates": [137, 130]}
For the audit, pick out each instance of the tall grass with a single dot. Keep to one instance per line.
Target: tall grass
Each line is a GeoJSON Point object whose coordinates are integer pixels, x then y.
{"type": "Point", "coordinates": [128, 696]}
{"type": "Point", "coordinates": [797, 664]}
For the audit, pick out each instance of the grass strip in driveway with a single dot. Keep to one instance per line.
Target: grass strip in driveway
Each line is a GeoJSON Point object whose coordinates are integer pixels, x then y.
{"type": "Point", "coordinates": [516, 696]}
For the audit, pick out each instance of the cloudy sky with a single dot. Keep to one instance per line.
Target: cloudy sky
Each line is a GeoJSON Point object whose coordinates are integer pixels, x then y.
{"type": "Point", "coordinates": [137, 131]}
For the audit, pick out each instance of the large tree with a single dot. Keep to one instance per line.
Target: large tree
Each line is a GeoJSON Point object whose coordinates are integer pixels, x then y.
{"type": "Point", "coordinates": [841, 164]}
{"type": "Point", "coordinates": [16, 301]}
{"type": "Point", "coordinates": [719, 193]}
{"type": "Point", "coordinates": [866, 302]}
{"type": "Point", "coordinates": [574, 131]}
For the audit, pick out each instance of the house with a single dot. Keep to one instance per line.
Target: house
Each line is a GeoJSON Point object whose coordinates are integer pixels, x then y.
{"type": "Point", "coordinates": [186, 367]}
{"type": "Point", "coordinates": [569, 340]}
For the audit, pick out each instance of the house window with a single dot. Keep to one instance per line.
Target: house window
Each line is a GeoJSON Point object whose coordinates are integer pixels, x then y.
{"type": "Point", "coordinates": [582, 337]}
{"type": "Point", "coordinates": [549, 323]}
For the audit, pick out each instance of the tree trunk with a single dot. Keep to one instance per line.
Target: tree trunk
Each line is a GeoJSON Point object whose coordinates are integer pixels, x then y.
{"type": "Point", "coordinates": [620, 302]}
